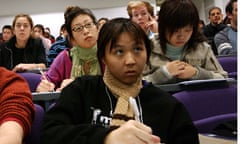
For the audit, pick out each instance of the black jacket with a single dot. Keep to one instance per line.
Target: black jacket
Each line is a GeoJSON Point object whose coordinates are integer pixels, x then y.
{"type": "Point", "coordinates": [71, 120]}
{"type": "Point", "coordinates": [34, 52]}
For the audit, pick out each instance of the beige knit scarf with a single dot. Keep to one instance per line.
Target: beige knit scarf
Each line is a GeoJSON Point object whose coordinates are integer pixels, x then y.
{"type": "Point", "coordinates": [123, 112]}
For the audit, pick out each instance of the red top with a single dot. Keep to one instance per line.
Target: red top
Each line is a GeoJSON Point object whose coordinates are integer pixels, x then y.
{"type": "Point", "coordinates": [15, 100]}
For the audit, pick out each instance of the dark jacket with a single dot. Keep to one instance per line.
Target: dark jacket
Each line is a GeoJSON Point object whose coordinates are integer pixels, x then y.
{"type": "Point", "coordinates": [72, 120]}
{"type": "Point", "coordinates": [56, 48]}
{"type": "Point", "coordinates": [210, 31]}
{"type": "Point", "coordinates": [34, 52]}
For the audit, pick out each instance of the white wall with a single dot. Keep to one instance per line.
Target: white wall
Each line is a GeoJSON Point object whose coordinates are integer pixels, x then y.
{"type": "Point", "coordinates": [55, 20]}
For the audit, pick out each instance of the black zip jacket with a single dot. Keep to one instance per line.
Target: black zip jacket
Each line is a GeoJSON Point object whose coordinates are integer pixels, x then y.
{"type": "Point", "coordinates": [34, 52]}
{"type": "Point", "coordinates": [82, 115]}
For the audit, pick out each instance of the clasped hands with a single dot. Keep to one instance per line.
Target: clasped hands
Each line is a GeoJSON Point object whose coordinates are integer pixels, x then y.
{"type": "Point", "coordinates": [181, 69]}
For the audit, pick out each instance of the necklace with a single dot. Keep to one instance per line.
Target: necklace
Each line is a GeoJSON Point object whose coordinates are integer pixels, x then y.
{"type": "Point", "coordinates": [111, 105]}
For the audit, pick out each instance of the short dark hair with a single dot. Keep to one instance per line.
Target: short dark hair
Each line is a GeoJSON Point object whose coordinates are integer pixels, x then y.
{"type": "Point", "coordinates": [40, 26]}
{"type": "Point", "coordinates": [7, 27]}
{"type": "Point", "coordinates": [110, 32]}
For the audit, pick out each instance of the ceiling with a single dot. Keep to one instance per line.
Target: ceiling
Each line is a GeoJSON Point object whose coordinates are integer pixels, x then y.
{"type": "Point", "coordinates": [13, 7]}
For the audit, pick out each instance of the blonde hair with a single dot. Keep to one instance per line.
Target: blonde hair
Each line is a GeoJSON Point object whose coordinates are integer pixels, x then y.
{"type": "Point", "coordinates": [134, 4]}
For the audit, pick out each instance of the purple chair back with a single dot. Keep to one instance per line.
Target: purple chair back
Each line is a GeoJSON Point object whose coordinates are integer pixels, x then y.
{"type": "Point", "coordinates": [33, 79]}
{"type": "Point", "coordinates": [229, 64]}
{"type": "Point", "coordinates": [206, 104]}
{"type": "Point", "coordinates": [34, 136]}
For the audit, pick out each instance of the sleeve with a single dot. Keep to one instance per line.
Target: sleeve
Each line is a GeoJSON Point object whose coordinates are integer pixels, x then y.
{"type": "Point", "coordinates": [16, 101]}
{"type": "Point", "coordinates": [55, 49]}
{"type": "Point", "coordinates": [158, 75]}
{"type": "Point", "coordinates": [60, 69]}
{"type": "Point", "coordinates": [66, 122]}
{"type": "Point", "coordinates": [211, 68]}
{"type": "Point", "coordinates": [223, 43]}
{"type": "Point", "coordinates": [156, 72]}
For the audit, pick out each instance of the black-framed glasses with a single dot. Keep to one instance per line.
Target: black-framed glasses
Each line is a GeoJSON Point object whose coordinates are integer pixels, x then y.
{"type": "Point", "coordinates": [79, 28]}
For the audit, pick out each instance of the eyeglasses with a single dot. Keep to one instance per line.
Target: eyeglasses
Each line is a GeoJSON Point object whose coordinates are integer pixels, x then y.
{"type": "Point", "coordinates": [79, 28]}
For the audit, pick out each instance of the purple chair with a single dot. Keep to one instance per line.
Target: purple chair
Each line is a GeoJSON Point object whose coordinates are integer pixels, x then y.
{"type": "Point", "coordinates": [208, 107]}
{"type": "Point", "coordinates": [34, 136]}
{"type": "Point", "coordinates": [229, 64]}
{"type": "Point", "coordinates": [33, 79]}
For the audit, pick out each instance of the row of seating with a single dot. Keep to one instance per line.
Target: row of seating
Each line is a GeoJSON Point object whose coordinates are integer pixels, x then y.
{"type": "Point", "coordinates": [229, 64]}
{"type": "Point", "coordinates": [208, 106]}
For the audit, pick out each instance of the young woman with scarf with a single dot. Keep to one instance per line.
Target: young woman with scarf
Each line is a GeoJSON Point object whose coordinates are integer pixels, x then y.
{"type": "Point", "coordinates": [81, 59]}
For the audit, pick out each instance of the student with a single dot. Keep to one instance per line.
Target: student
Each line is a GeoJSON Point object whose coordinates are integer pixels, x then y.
{"type": "Point", "coordinates": [81, 58]}
{"type": "Point", "coordinates": [94, 109]}
{"type": "Point", "coordinates": [7, 33]}
{"type": "Point", "coordinates": [38, 32]}
{"type": "Point", "coordinates": [101, 22]}
{"type": "Point", "coordinates": [184, 53]}
{"type": "Point", "coordinates": [142, 13]}
{"type": "Point", "coordinates": [226, 40]}
{"type": "Point", "coordinates": [16, 108]}
{"type": "Point", "coordinates": [22, 52]}
{"type": "Point", "coordinates": [216, 24]}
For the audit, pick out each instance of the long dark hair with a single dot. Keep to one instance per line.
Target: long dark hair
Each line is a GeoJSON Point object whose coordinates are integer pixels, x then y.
{"type": "Point", "coordinates": [176, 14]}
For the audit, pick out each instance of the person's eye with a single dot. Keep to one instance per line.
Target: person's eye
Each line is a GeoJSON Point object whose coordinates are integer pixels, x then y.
{"type": "Point", "coordinates": [135, 15]}
{"type": "Point", "coordinates": [25, 26]}
{"type": "Point", "coordinates": [144, 13]}
{"type": "Point", "coordinates": [77, 28]}
{"type": "Point", "coordinates": [119, 52]}
{"type": "Point", "coordinates": [18, 25]}
{"type": "Point", "coordinates": [188, 30]}
{"type": "Point", "coordinates": [88, 25]}
{"type": "Point", "coordinates": [138, 49]}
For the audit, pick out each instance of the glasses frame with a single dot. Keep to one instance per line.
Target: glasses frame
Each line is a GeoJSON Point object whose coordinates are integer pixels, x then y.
{"type": "Point", "coordinates": [79, 27]}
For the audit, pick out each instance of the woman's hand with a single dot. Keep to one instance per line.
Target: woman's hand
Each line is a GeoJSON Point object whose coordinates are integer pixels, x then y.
{"type": "Point", "coordinates": [181, 69]}
{"type": "Point", "coordinates": [45, 86]}
{"type": "Point", "coordinates": [152, 25]}
{"type": "Point", "coordinates": [24, 67]}
{"type": "Point", "coordinates": [64, 84]}
{"type": "Point", "coordinates": [11, 132]}
{"type": "Point", "coordinates": [188, 72]}
{"type": "Point", "coordinates": [175, 68]}
{"type": "Point", "coordinates": [132, 132]}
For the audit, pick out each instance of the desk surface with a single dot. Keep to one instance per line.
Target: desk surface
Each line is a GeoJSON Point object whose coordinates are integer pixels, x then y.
{"type": "Point", "coordinates": [45, 96]}
{"type": "Point", "coordinates": [171, 88]}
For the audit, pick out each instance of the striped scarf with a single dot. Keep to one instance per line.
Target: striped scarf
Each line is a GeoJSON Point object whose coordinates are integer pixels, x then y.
{"type": "Point", "coordinates": [123, 111]}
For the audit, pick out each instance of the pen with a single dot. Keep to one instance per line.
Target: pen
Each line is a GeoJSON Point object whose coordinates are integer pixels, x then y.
{"type": "Point", "coordinates": [43, 75]}
{"type": "Point", "coordinates": [134, 106]}
{"type": "Point", "coordinates": [45, 78]}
